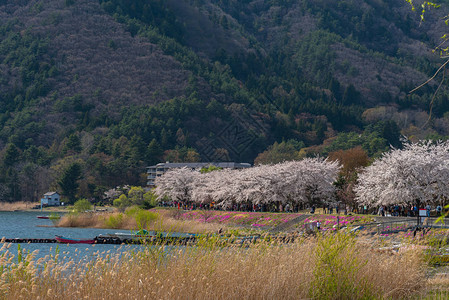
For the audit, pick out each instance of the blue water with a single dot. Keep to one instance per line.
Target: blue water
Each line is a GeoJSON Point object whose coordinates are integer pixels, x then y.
{"type": "Point", "coordinates": [27, 225]}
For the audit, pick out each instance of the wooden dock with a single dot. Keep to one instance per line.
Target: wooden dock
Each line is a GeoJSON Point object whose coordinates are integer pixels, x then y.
{"type": "Point", "coordinates": [28, 241]}
{"type": "Point", "coordinates": [113, 240]}
{"type": "Point", "coordinates": [161, 240]}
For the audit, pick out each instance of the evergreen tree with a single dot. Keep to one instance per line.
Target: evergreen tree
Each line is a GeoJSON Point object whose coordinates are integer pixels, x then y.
{"type": "Point", "coordinates": [69, 181]}
{"type": "Point", "coordinates": [154, 152]}
{"type": "Point", "coordinates": [11, 155]}
{"type": "Point", "coordinates": [73, 143]}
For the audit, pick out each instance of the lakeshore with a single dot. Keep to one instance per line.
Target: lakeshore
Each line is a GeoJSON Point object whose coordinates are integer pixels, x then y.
{"type": "Point", "coordinates": [352, 266]}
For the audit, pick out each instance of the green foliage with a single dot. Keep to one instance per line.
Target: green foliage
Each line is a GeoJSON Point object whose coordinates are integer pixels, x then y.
{"type": "Point", "coordinates": [114, 221]}
{"type": "Point", "coordinates": [337, 269]}
{"type": "Point", "coordinates": [294, 87]}
{"type": "Point", "coordinates": [154, 152]}
{"type": "Point", "coordinates": [150, 200]}
{"type": "Point", "coordinates": [11, 155]}
{"type": "Point", "coordinates": [73, 143]}
{"type": "Point", "coordinates": [280, 152]}
{"type": "Point", "coordinates": [210, 168]}
{"type": "Point", "coordinates": [155, 14]}
{"type": "Point", "coordinates": [435, 252]}
{"type": "Point", "coordinates": [135, 195]}
{"type": "Point", "coordinates": [122, 202]}
{"type": "Point", "coordinates": [54, 217]}
{"type": "Point", "coordinates": [69, 181]}
{"type": "Point", "coordinates": [375, 140]}
{"type": "Point", "coordinates": [82, 205]}
{"type": "Point", "coordinates": [143, 217]}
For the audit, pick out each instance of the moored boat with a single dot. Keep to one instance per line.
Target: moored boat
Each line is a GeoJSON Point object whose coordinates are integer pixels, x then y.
{"type": "Point", "coordinates": [64, 240]}
{"type": "Point", "coordinates": [49, 217]}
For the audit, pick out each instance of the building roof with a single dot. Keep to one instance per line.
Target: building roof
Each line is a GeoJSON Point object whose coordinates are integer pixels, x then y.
{"type": "Point", "coordinates": [50, 193]}
{"type": "Point", "coordinates": [224, 165]}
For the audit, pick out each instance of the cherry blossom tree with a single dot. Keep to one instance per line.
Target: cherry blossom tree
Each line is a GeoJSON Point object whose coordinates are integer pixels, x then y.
{"type": "Point", "coordinates": [419, 173]}
{"type": "Point", "coordinates": [309, 181]}
{"type": "Point", "coordinates": [177, 184]}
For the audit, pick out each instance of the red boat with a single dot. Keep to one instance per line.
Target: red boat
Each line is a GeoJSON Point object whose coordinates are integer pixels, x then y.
{"type": "Point", "coordinates": [64, 240]}
{"type": "Point", "coordinates": [49, 217]}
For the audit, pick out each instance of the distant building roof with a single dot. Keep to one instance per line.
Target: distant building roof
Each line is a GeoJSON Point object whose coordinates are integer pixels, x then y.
{"type": "Point", "coordinates": [224, 165]}
{"type": "Point", "coordinates": [50, 193]}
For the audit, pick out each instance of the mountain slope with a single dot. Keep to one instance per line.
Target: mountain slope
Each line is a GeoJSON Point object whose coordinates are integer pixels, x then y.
{"type": "Point", "coordinates": [116, 85]}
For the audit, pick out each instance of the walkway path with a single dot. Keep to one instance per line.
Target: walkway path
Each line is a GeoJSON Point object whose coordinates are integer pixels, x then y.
{"type": "Point", "coordinates": [379, 221]}
{"type": "Point", "coordinates": [289, 224]}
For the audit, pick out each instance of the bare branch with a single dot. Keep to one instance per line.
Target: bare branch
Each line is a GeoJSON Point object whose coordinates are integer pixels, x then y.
{"type": "Point", "coordinates": [433, 98]}
{"type": "Point", "coordinates": [431, 78]}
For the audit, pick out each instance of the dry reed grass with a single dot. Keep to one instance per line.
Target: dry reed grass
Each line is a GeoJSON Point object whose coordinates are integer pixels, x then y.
{"type": "Point", "coordinates": [13, 206]}
{"type": "Point", "coordinates": [438, 286]}
{"type": "Point", "coordinates": [165, 222]}
{"type": "Point", "coordinates": [96, 220]}
{"type": "Point", "coordinates": [262, 271]}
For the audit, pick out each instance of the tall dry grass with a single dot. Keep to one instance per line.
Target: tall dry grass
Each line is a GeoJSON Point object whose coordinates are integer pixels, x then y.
{"type": "Point", "coordinates": [263, 271]}
{"type": "Point", "coordinates": [12, 206]}
{"type": "Point", "coordinates": [97, 220]}
{"type": "Point", "coordinates": [117, 220]}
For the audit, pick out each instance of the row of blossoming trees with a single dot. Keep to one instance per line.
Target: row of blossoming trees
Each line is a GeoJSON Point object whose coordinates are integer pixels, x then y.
{"type": "Point", "coordinates": [418, 172]}
{"type": "Point", "coordinates": [294, 183]}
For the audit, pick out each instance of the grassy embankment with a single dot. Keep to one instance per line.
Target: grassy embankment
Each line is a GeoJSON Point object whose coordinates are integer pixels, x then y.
{"type": "Point", "coordinates": [135, 218]}
{"type": "Point", "coordinates": [333, 266]}
{"type": "Point", "coordinates": [13, 206]}
{"type": "Point", "coordinates": [196, 221]}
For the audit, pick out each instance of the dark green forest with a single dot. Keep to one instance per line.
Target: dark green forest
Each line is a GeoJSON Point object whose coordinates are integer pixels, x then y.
{"type": "Point", "coordinates": [93, 92]}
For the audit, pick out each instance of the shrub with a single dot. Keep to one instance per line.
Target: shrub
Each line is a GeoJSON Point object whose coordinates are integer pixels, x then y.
{"type": "Point", "coordinates": [82, 205]}
{"type": "Point", "coordinates": [150, 200]}
{"type": "Point", "coordinates": [114, 221]}
{"type": "Point", "coordinates": [121, 203]}
{"type": "Point", "coordinates": [143, 217]}
{"type": "Point", "coordinates": [337, 268]}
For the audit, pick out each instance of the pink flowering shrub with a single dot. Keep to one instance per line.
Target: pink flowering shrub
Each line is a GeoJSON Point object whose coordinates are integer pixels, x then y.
{"type": "Point", "coordinates": [253, 219]}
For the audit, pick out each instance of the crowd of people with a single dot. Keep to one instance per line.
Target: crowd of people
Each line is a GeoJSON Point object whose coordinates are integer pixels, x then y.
{"type": "Point", "coordinates": [408, 211]}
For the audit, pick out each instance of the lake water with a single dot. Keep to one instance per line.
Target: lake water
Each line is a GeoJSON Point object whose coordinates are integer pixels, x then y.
{"type": "Point", "coordinates": [27, 225]}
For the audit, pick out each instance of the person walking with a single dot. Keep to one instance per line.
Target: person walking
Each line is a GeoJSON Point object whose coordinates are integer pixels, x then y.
{"type": "Point", "coordinates": [428, 210]}
{"type": "Point", "coordinates": [439, 209]}
{"type": "Point", "coordinates": [380, 212]}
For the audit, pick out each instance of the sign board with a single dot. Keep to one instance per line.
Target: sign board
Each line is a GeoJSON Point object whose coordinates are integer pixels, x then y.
{"type": "Point", "coordinates": [422, 212]}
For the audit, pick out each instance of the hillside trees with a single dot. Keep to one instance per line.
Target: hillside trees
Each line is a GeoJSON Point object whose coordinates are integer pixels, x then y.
{"type": "Point", "coordinates": [283, 69]}
{"type": "Point", "coordinates": [280, 152]}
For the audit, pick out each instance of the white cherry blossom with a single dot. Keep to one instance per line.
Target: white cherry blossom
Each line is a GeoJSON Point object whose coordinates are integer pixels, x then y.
{"type": "Point", "coordinates": [419, 172]}
{"type": "Point", "coordinates": [308, 181]}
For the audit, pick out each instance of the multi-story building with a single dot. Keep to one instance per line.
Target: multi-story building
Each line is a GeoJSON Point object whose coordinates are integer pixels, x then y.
{"type": "Point", "coordinates": [161, 168]}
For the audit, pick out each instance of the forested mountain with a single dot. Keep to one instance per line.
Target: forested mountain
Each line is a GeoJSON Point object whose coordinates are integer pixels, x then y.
{"type": "Point", "coordinates": [93, 91]}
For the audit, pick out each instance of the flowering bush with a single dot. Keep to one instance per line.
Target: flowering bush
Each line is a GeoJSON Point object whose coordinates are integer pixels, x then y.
{"type": "Point", "coordinates": [254, 219]}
